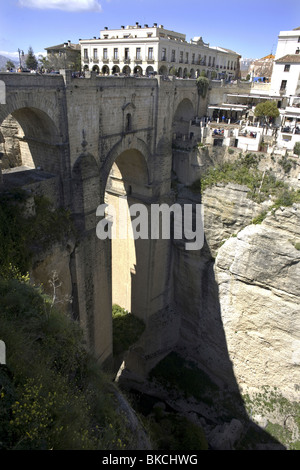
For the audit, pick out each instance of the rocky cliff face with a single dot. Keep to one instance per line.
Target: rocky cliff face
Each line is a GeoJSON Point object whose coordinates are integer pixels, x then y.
{"type": "Point", "coordinates": [240, 312]}
{"type": "Point", "coordinates": [258, 277]}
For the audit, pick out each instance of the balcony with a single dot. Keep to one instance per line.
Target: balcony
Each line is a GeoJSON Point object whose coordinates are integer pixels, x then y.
{"type": "Point", "coordinates": [115, 60]}
{"type": "Point", "coordinates": [95, 60]}
{"type": "Point", "coordinates": [126, 60]}
{"type": "Point", "coordinates": [138, 59]}
{"type": "Point", "coordinates": [105, 60]}
{"type": "Point", "coordinates": [86, 60]}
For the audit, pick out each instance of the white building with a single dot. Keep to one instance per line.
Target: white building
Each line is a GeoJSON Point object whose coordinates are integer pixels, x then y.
{"type": "Point", "coordinates": [286, 71]}
{"type": "Point", "coordinates": [154, 49]}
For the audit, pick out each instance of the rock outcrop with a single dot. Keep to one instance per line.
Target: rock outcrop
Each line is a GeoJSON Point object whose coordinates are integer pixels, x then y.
{"type": "Point", "coordinates": [259, 292]}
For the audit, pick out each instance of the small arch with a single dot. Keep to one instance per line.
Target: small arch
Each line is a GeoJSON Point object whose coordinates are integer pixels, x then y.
{"type": "Point", "coordinates": [149, 70]}
{"type": "Point", "coordinates": [105, 70]}
{"type": "Point", "coordinates": [179, 72]}
{"type": "Point", "coordinates": [126, 70]}
{"type": "Point", "coordinates": [185, 73]}
{"type": "Point", "coordinates": [115, 69]}
{"type": "Point", "coordinates": [86, 68]}
{"type": "Point", "coordinates": [138, 70]}
{"type": "Point", "coordinates": [163, 70]}
{"type": "Point", "coordinates": [96, 69]}
{"type": "Point", "coordinates": [192, 73]}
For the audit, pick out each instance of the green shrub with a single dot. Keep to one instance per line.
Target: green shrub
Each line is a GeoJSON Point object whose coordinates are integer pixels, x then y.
{"type": "Point", "coordinates": [244, 171]}
{"type": "Point", "coordinates": [20, 236]}
{"type": "Point", "coordinates": [53, 394]}
{"type": "Point", "coordinates": [127, 328]}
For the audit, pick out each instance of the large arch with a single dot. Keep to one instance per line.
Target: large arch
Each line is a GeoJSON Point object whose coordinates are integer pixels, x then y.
{"type": "Point", "coordinates": [183, 115]}
{"type": "Point", "coordinates": [125, 186]}
{"type": "Point", "coordinates": [130, 142]}
{"type": "Point", "coordinates": [37, 138]}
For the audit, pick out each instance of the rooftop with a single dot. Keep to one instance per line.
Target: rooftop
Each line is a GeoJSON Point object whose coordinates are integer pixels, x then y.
{"type": "Point", "coordinates": [289, 58]}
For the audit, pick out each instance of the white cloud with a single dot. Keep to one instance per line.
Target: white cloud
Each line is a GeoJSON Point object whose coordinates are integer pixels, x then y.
{"type": "Point", "coordinates": [10, 55]}
{"type": "Point", "coordinates": [66, 5]}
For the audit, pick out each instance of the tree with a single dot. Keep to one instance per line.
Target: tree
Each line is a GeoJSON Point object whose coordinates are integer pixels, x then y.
{"type": "Point", "coordinates": [202, 86]}
{"type": "Point", "coordinates": [31, 61]}
{"type": "Point", "coordinates": [266, 111]}
{"type": "Point", "coordinates": [44, 62]}
{"type": "Point", "coordinates": [297, 148]}
{"type": "Point", "coordinates": [10, 65]}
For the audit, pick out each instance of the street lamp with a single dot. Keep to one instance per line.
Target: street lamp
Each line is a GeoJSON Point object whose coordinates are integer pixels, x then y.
{"type": "Point", "coordinates": [20, 53]}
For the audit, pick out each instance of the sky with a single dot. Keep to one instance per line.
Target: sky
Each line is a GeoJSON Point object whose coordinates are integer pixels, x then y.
{"type": "Point", "coordinates": [250, 28]}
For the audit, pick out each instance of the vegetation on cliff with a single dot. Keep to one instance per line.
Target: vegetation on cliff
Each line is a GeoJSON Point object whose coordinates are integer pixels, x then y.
{"type": "Point", "coordinates": [24, 231]}
{"type": "Point", "coordinates": [244, 171]}
{"type": "Point", "coordinates": [53, 395]}
{"type": "Point", "coordinates": [127, 329]}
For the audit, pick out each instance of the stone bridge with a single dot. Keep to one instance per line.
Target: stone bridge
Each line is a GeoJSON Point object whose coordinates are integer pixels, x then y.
{"type": "Point", "coordinates": [101, 138]}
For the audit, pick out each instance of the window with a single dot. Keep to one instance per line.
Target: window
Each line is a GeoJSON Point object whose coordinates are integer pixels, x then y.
{"type": "Point", "coordinates": [164, 54]}
{"type": "Point", "coordinates": [287, 68]}
{"type": "Point", "coordinates": [150, 53]}
{"type": "Point", "coordinates": [186, 57]}
{"type": "Point", "coordinates": [193, 58]}
{"type": "Point", "coordinates": [209, 61]}
{"type": "Point", "coordinates": [104, 53]}
{"type": "Point", "coordinates": [213, 62]}
{"type": "Point", "coordinates": [181, 57]}
{"type": "Point", "coordinates": [85, 53]}
{"type": "Point", "coordinates": [173, 58]}
{"type": "Point", "coordinates": [128, 122]}
{"type": "Point", "coordinates": [138, 53]}
{"type": "Point", "coordinates": [283, 85]}
{"type": "Point", "coordinates": [95, 54]}
{"type": "Point", "coordinates": [199, 59]}
{"type": "Point", "coordinates": [126, 53]}
{"type": "Point", "coordinates": [116, 53]}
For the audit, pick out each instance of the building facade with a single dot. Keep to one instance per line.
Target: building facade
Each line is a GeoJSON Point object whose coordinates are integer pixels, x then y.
{"type": "Point", "coordinates": [153, 49]}
{"type": "Point", "coordinates": [64, 56]}
{"type": "Point", "coordinates": [286, 70]}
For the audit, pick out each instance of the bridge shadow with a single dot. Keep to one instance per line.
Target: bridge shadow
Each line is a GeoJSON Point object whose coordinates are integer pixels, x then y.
{"type": "Point", "coordinates": [196, 377]}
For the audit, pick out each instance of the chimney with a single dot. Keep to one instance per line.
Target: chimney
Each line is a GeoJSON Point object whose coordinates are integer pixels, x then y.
{"type": "Point", "coordinates": [155, 25]}
{"type": "Point", "coordinates": [105, 27]}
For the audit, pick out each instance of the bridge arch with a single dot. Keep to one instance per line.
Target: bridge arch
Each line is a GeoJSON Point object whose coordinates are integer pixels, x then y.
{"type": "Point", "coordinates": [183, 115]}
{"type": "Point", "coordinates": [37, 137]}
{"type": "Point", "coordinates": [128, 143]}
